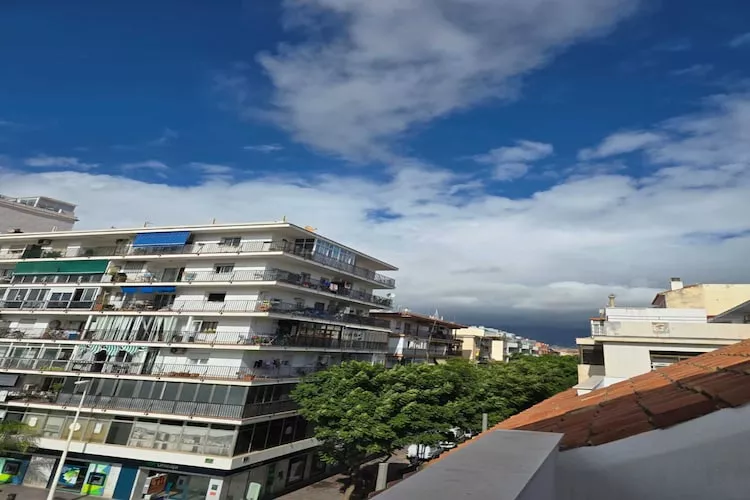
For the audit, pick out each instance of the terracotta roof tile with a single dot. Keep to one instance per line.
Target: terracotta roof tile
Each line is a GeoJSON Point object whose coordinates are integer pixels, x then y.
{"type": "Point", "coordinates": [655, 400]}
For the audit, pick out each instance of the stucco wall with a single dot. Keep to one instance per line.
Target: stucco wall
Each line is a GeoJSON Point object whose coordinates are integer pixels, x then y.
{"type": "Point", "coordinates": [586, 371]}
{"type": "Point", "coordinates": [667, 330]}
{"type": "Point", "coordinates": [715, 298]}
{"type": "Point", "coordinates": [702, 459]}
{"type": "Point", "coordinates": [625, 360]}
{"type": "Point", "coordinates": [29, 221]}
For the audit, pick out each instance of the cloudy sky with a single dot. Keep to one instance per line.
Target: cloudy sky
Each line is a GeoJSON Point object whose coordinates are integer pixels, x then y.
{"type": "Point", "coordinates": [519, 160]}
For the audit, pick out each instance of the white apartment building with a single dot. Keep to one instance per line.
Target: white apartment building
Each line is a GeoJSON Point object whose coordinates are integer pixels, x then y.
{"type": "Point", "coordinates": [419, 338]}
{"type": "Point", "coordinates": [630, 341]}
{"type": "Point", "coordinates": [484, 344]}
{"type": "Point", "coordinates": [190, 340]}
{"type": "Point", "coordinates": [35, 214]}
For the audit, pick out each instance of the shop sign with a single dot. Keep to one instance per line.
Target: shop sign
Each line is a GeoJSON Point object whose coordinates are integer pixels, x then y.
{"type": "Point", "coordinates": [156, 484]}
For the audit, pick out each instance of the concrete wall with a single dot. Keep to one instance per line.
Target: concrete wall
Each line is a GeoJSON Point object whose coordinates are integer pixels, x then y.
{"type": "Point", "coordinates": [669, 330]}
{"type": "Point", "coordinates": [586, 371]}
{"type": "Point", "coordinates": [715, 298]}
{"type": "Point", "coordinates": [625, 360]}
{"type": "Point", "coordinates": [702, 459]}
{"type": "Point", "coordinates": [655, 314]}
{"type": "Point", "coordinates": [30, 220]}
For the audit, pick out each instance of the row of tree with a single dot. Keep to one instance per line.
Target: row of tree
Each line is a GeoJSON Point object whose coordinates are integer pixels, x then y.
{"type": "Point", "coordinates": [360, 410]}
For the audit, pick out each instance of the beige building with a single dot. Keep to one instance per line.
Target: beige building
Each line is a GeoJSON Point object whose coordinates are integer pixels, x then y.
{"type": "Point", "coordinates": [484, 344]}
{"type": "Point", "coordinates": [35, 214]}
{"type": "Point", "coordinates": [714, 298]}
{"type": "Point", "coordinates": [629, 341]}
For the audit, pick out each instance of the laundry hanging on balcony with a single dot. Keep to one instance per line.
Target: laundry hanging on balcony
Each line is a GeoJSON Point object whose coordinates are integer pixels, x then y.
{"type": "Point", "coordinates": [161, 239]}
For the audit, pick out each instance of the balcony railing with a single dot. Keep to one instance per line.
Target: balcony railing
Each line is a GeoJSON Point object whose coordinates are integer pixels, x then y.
{"type": "Point", "coordinates": [46, 304]}
{"type": "Point", "coordinates": [247, 276]}
{"type": "Point", "coordinates": [182, 408]}
{"type": "Point", "coordinates": [203, 372]}
{"type": "Point", "coordinates": [277, 340]}
{"type": "Point", "coordinates": [215, 248]}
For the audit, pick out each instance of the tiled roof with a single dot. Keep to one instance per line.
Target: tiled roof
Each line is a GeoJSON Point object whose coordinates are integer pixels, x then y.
{"type": "Point", "coordinates": [662, 398]}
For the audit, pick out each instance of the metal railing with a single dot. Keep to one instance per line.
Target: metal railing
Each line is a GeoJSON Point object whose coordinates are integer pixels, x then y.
{"type": "Point", "coordinates": [198, 371]}
{"type": "Point", "coordinates": [183, 408]}
{"type": "Point", "coordinates": [33, 305]}
{"type": "Point", "coordinates": [216, 248]}
{"type": "Point", "coordinates": [246, 276]}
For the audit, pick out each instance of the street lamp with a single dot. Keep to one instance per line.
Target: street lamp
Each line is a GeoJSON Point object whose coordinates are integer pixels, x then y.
{"type": "Point", "coordinates": [71, 430]}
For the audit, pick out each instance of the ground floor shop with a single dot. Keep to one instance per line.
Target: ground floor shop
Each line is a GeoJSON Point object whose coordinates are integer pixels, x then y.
{"type": "Point", "coordinates": [139, 480]}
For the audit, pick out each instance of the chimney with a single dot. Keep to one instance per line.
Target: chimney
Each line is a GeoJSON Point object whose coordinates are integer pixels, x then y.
{"type": "Point", "coordinates": [611, 300]}
{"type": "Point", "coordinates": [675, 283]}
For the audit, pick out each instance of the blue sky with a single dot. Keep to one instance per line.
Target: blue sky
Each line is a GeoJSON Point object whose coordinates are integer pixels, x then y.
{"type": "Point", "coordinates": [477, 144]}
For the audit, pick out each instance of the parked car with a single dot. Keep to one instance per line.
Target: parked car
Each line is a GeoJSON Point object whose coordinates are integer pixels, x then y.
{"type": "Point", "coordinates": [422, 452]}
{"type": "Point", "coordinates": [452, 438]}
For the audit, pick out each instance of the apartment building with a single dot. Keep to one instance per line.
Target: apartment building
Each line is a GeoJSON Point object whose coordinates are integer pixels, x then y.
{"type": "Point", "coordinates": [630, 341]}
{"type": "Point", "coordinates": [419, 338]}
{"type": "Point", "coordinates": [484, 344]}
{"type": "Point", "coordinates": [187, 342]}
{"type": "Point", "coordinates": [35, 214]}
{"type": "Point", "coordinates": [715, 298]}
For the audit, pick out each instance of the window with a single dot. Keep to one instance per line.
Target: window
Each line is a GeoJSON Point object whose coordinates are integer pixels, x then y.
{"type": "Point", "coordinates": [216, 297]}
{"type": "Point", "coordinates": [746, 318]}
{"type": "Point", "coordinates": [592, 354]}
{"type": "Point", "coordinates": [208, 327]}
{"type": "Point", "coordinates": [144, 433]}
{"type": "Point", "coordinates": [220, 440]}
{"type": "Point", "coordinates": [127, 388]}
{"type": "Point", "coordinates": [188, 392]}
{"type": "Point", "coordinates": [230, 241]}
{"type": "Point", "coordinates": [223, 268]}
{"type": "Point", "coordinates": [119, 432]}
{"type": "Point", "coordinates": [134, 267]}
{"type": "Point", "coordinates": [170, 391]}
{"type": "Point", "coordinates": [236, 395]}
{"type": "Point", "coordinates": [259, 436]}
{"type": "Point", "coordinates": [193, 437]}
{"type": "Point", "coordinates": [197, 361]}
{"type": "Point", "coordinates": [220, 394]}
{"type": "Point", "coordinates": [168, 436]}
{"type": "Point", "coordinates": [660, 359]}
{"type": "Point", "coordinates": [204, 393]}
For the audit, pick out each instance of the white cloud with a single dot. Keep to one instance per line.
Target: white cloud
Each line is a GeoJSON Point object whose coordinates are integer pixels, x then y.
{"type": "Point", "coordinates": [740, 40]}
{"type": "Point", "coordinates": [550, 257]}
{"type": "Point", "coordinates": [167, 136]}
{"type": "Point", "coordinates": [694, 70]}
{"type": "Point", "coordinates": [264, 148]}
{"type": "Point", "coordinates": [212, 169]}
{"type": "Point", "coordinates": [393, 64]}
{"type": "Point", "coordinates": [512, 162]}
{"type": "Point", "coordinates": [154, 165]}
{"type": "Point", "coordinates": [620, 143]}
{"type": "Point", "coordinates": [44, 161]}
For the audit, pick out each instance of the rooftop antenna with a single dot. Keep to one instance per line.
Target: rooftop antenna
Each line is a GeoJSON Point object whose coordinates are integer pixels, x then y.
{"type": "Point", "coordinates": [283, 219]}
{"type": "Point", "coordinates": [213, 221]}
{"type": "Point", "coordinates": [147, 223]}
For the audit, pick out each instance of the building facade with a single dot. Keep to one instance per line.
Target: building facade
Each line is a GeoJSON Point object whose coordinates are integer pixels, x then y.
{"type": "Point", "coordinates": [189, 341]}
{"type": "Point", "coordinates": [35, 214]}
{"type": "Point", "coordinates": [419, 338]}
{"type": "Point", "coordinates": [630, 341]}
{"type": "Point", "coordinates": [483, 344]}
{"type": "Point", "coordinates": [714, 298]}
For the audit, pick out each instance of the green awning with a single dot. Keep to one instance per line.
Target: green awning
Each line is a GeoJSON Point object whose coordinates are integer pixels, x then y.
{"type": "Point", "coordinates": [56, 267]}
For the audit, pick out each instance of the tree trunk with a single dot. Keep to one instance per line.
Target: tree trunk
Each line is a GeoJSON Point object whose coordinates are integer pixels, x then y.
{"type": "Point", "coordinates": [353, 482]}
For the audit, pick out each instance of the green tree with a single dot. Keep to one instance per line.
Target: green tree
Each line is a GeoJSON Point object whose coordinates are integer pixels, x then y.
{"type": "Point", "coordinates": [17, 436]}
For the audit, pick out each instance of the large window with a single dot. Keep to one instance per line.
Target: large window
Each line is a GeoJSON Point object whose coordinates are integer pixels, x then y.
{"type": "Point", "coordinates": [660, 359]}
{"type": "Point", "coordinates": [592, 354]}
{"type": "Point", "coordinates": [334, 252]}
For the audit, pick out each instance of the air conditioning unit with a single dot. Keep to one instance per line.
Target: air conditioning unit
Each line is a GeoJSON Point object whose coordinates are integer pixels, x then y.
{"type": "Point", "coordinates": [178, 350]}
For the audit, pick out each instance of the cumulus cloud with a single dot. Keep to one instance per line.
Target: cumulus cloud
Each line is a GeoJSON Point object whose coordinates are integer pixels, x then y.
{"type": "Point", "coordinates": [44, 161]}
{"type": "Point", "coordinates": [212, 169]}
{"type": "Point", "coordinates": [619, 143]}
{"type": "Point", "coordinates": [154, 165]}
{"type": "Point", "coordinates": [695, 70]}
{"type": "Point", "coordinates": [389, 65]}
{"type": "Point", "coordinates": [551, 258]}
{"type": "Point", "coordinates": [511, 162]}
{"type": "Point", "coordinates": [740, 41]}
{"type": "Point", "coordinates": [264, 148]}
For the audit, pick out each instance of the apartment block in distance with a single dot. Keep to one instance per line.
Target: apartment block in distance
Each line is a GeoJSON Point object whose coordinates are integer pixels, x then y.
{"type": "Point", "coordinates": [629, 341]}
{"type": "Point", "coordinates": [35, 214]}
{"type": "Point", "coordinates": [483, 344]}
{"type": "Point", "coordinates": [188, 340]}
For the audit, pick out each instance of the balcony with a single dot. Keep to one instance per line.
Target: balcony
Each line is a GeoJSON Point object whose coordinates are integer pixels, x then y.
{"type": "Point", "coordinates": [249, 276]}
{"type": "Point", "coordinates": [36, 305]}
{"type": "Point", "coordinates": [209, 249]}
{"type": "Point", "coordinates": [192, 371]}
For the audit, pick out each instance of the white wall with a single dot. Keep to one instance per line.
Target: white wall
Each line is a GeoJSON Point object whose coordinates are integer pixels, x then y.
{"type": "Point", "coordinates": [705, 458]}
{"type": "Point", "coordinates": [676, 330]}
{"type": "Point", "coordinates": [655, 314]}
{"type": "Point", "coordinates": [13, 215]}
{"type": "Point", "coordinates": [625, 360]}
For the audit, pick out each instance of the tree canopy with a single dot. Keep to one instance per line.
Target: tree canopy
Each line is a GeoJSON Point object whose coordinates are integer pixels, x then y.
{"type": "Point", "coordinates": [360, 410]}
{"type": "Point", "coordinates": [17, 436]}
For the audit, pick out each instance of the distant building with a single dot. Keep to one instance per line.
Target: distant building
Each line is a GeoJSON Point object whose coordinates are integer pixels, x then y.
{"type": "Point", "coordinates": [483, 344]}
{"type": "Point", "coordinates": [714, 298]}
{"type": "Point", "coordinates": [419, 338]}
{"type": "Point", "coordinates": [630, 341]}
{"type": "Point", "coordinates": [35, 215]}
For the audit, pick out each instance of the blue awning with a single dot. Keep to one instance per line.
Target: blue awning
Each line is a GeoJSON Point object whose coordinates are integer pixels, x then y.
{"type": "Point", "coordinates": [162, 239]}
{"type": "Point", "coordinates": [148, 289]}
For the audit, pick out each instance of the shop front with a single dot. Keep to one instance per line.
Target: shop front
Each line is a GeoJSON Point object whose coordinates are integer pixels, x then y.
{"type": "Point", "coordinates": [13, 470]}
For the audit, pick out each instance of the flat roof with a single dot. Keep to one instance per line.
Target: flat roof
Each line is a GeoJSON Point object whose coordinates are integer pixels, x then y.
{"type": "Point", "coordinates": [208, 228]}
{"type": "Point", "coordinates": [419, 317]}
